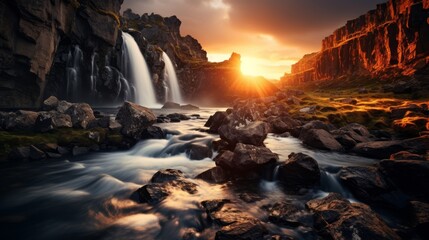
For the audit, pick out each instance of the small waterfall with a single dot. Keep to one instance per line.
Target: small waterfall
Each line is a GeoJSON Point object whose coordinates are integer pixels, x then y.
{"type": "Point", "coordinates": [138, 71]}
{"type": "Point", "coordinates": [93, 77]}
{"type": "Point", "coordinates": [74, 61]}
{"type": "Point", "coordinates": [173, 84]}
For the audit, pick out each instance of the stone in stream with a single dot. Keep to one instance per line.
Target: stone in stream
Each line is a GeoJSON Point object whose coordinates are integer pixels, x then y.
{"type": "Point", "coordinates": [199, 151]}
{"type": "Point", "coordinates": [189, 107]}
{"type": "Point", "coordinates": [253, 133]}
{"type": "Point", "coordinates": [336, 218]}
{"type": "Point", "coordinates": [171, 105]}
{"type": "Point", "coordinates": [153, 132]}
{"type": "Point", "coordinates": [289, 214]}
{"type": "Point", "coordinates": [321, 139]}
{"type": "Point", "coordinates": [215, 121]}
{"type": "Point", "coordinates": [81, 114]}
{"type": "Point", "coordinates": [366, 183]}
{"type": "Point", "coordinates": [246, 157]}
{"type": "Point", "coordinates": [179, 116]}
{"type": "Point", "coordinates": [134, 119]}
{"type": "Point", "coordinates": [213, 175]}
{"type": "Point", "coordinates": [36, 154]}
{"type": "Point", "coordinates": [299, 171]}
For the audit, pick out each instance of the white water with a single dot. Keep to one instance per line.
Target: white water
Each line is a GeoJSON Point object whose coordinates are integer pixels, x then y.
{"type": "Point", "coordinates": [139, 72]}
{"type": "Point", "coordinates": [173, 84]}
{"type": "Point", "coordinates": [74, 61]}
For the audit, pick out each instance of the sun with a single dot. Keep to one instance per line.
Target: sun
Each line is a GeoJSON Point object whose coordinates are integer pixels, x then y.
{"type": "Point", "coordinates": [251, 66]}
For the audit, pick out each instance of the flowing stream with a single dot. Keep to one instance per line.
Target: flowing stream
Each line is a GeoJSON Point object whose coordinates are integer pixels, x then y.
{"type": "Point", "coordinates": [89, 197]}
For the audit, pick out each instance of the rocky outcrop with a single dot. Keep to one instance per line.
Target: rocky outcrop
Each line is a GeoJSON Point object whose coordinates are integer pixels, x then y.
{"type": "Point", "coordinates": [392, 40]}
{"type": "Point", "coordinates": [36, 36]}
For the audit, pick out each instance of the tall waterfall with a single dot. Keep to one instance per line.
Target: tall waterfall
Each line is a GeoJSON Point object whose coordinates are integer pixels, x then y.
{"type": "Point", "coordinates": [138, 72]}
{"type": "Point", "coordinates": [74, 61]}
{"type": "Point", "coordinates": [173, 85]}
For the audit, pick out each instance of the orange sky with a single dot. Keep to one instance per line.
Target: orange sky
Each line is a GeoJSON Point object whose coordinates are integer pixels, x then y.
{"type": "Point", "coordinates": [270, 35]}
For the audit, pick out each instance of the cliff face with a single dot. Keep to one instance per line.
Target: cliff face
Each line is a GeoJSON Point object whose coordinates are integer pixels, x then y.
{"type": "Point", "coordinates": [392, 39]}
{"type": "Point", "coordinates": [35, 33]}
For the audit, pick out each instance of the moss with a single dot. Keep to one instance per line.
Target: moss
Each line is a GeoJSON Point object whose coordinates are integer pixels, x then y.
{"type": "Point", "coordinates": [115, 139]}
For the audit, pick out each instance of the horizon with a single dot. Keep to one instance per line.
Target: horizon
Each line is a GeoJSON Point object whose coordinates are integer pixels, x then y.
{"type": "Point", "coordinates": [267, 47]}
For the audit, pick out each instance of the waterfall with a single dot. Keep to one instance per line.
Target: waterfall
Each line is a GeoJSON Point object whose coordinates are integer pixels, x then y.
{"type": "Point", "coordinates": [138, 72]}
{"type": "Point", "coordinates": [74, 61]}
{"type": "Point", "coordinates": [170, 74]}
{"type": "Point", "coordinates": [93, 77]}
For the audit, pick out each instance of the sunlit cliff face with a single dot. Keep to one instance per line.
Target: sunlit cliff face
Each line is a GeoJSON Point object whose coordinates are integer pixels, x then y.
{"type": "Point", "coordinates": [270, 35]}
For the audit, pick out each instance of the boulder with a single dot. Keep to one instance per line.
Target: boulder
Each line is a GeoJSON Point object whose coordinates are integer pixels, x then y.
{"type": "Point", "coordinates": [167, 175]}
{"type": "Point", "coordinates": [21, 120]}
{"type": "Point", "coordinates": [63, 106]}
{"type": "Point", "coordinates": [366, 183]}
{"type": "Point", "coordinates": [36, 154]}
{"type": "Point", "coordinates": [153, 132]}
{"type": "Point", "coordinates": [199, 151]}
{"type": "Point", "coordinates": [289, 214]}
{"type": "Point", "coordinates": [337, 218]}
{"type": "Point", "coordinates": [225, 159]}
{"type": "Point", "coordinates": [420, 218]}
{"type": "Point", "coordinates": [321, 139]}
{"type": "Point", "coordinates": [213, 175]}
{"type": "Point", "coordinates": [299, 171]}
{"type": "Point", "coordinates": [411, 176]}
{"type": "Point", "coordinates": [134, 119]}
{"type": "Point", "coordinates": [253, 133]}
{"type": "Point", "coordinates": [61, 120]}
{"type": "Point", "coordinates": [171, 105]}
{"type": "Point", "coordinates": [189, 107]}
{"type": "Point", "coordinates": [178, 116]}
{"type": "Point", "coordinates": [246, 230]}
{"type": "Point", "coordinates": [248, 157]}
{"type": "Point", "coordinates": [215, 121]}
{"type": "Point", "coordinates": [50, 103]}
{"type": "Point", "coordinates": [44, 123]}
{"type": "Point", "coordinates": [81, 114]}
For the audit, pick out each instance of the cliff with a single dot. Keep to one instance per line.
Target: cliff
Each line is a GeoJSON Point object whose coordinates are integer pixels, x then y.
{"type": "Point", "coordinates": [390, 41]}
{"type": "Point", "coordinates": [37, 35]}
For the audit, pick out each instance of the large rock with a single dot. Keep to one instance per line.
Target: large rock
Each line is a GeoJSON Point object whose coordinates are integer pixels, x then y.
{"type": "Point", "coordinates": [299, 171]}
{"type": "Point", "coordinates": [21, 120]}
{"type": "Point", "coordinates": [213, 175]}
{"type": "Point", "coordinates": [366, 183]}
{"type": "Point", "coordinates": [198, 151]}
{"type": "Point", "coordinates": [253, 133]}
{"type": "Point", "coordinates": [50, 103]}
{"type": "Point", "coordinates": [321, 139]}
{"type": "Point", "coordinates": [337, 218]}
{"type": "Point", "coordinates": [289, 214]}
{"type": "Point", "coordinates": [81, 114]}
{"type": "Point", "coordinates": [411, 176]}
{"type": "Point", "coordinates": [171, 105]}
{"type": "Point", "coordinates": [245, 158]}
{"type": "Point", "coordinates": [215, 121]}
{"type": "Point", "coordinates": [134, 119]}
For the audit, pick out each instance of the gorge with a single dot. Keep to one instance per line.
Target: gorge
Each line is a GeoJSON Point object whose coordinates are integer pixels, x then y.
{"type": "Point", "coordinates": [115, 126]}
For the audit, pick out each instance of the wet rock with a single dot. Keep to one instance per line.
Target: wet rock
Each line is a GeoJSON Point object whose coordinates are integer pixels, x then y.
{"type": "Point", "coordinates": [420, 216]}
{"type": "Point", "coordinates": [21, 120]}
{"type": "Point", "coordinates": [102, 122]}
{"type": "Point", "coordinates": [171, 105]}
{"type": "Point", "coordinates": [189, 107]}
{"type": "Point", "coordinates": [366, 183]}
{"type": "Point", "coordinates": [63, 106]}
{"type": "Point", "coordinates": [249, 157]}
{"type": "Point", "coordinates": [153, 132]}
{"type": "Point", "coordinates": [214, 205]}
{"type": "Point", "coordinates": [249, 230]}
{"type": "Point", "coordinates": [404, 155]}
{"type": "Point", "coordinates": [378, 149]}
{"type": "Point", "coordinates": [225, 159]}
{"type": "Point", "coordinates": [179, 116]}
{"type": "Point", "coordinates": [61, 120]}
{"type": "Point", "coordinates": [174, 120]}
{"type": "Point", "coordinates": [281, 124]}
{"type": "Point", "coordinates": [114, 125]}
{"type": "Point", "coordinates": [36, 154]}
{"type": "Point", "coordinates": [213, 175]}
{"type": "Point", "coordinates": [152, 193]}
{"type": "Point", "coordinates": [299, 171]}
{"type": "Point", "coordinates": [167, 175]}
{"type": "Point", "coordinates": [410, 126]}
{"type": "Point", "coordinates": [253, 133]}
{"type": "Point", "coordinates": [308, 110]}
{"type": "Point", "coordinates": [215, 121]}
{"type": "Point", "coordinates": [44, 123]}
{"type": "Point", "coordinates": [76, 151]}
{"type": "Point", "coordinates": [411, 176]}
{"type": "Point", "coordinates": [50, 103]}
{"type": "Point", "coordinates": [81, 114]}
{"type": "Point", "coordinates": [289, 214]}
{"type": "Point", "coordinates": [321, 139]}
{"type": "Point", "coordinates": [134, 119]}
{"type": "Point", "coordinates": [400, 111]}
{"type": "Point", "coordinates": [199, 151]}
{"type": "Point", "coordinates": [20, 153]}
{"type": "Point", "coordinates": [337, 218]}
{"type": "Point", "coordinates": [349, 101]}
{"type": "Point", "coordinates": [221, 145]}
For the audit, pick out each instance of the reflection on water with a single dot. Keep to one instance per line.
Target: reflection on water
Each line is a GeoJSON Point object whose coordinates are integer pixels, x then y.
{"type": "Point", "coordinates": [88, 197]}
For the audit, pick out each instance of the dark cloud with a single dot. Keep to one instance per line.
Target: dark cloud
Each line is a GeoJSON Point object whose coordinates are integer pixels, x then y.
{"type": "Point", "coordinates": [296, 20]}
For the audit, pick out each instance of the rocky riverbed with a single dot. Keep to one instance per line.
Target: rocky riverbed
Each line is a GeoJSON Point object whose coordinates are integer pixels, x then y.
{"type": "Point", "coordinates": [259, 170]}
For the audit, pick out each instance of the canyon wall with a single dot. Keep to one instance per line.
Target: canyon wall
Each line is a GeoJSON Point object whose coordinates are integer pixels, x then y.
{"type": "Point", "coordinates": [37, 35]}
{"type": "Point", "coordinates": [390, 41]}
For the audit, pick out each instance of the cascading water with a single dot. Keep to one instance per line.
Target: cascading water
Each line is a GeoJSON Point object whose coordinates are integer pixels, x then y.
{"type": "Point", "coordinates": [74, 61]}
{"type": "Point", "coordinates": [93, 77]}
{"type": "Point", "coordinates": [138, 72]}
{"type": "Point", "coordinates": [173, 85]}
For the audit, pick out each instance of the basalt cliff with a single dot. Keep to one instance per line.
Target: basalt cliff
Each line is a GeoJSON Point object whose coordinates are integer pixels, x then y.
{"type": "Point", "coordinates": [390, 42]}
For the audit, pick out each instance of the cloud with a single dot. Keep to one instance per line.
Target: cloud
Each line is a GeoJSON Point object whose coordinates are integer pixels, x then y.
{"type": "Point", "coordinates": [280, 31]}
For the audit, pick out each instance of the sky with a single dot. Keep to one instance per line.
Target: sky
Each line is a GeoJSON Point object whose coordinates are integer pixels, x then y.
{"type": "Point", "coordinates": [270, 35]}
